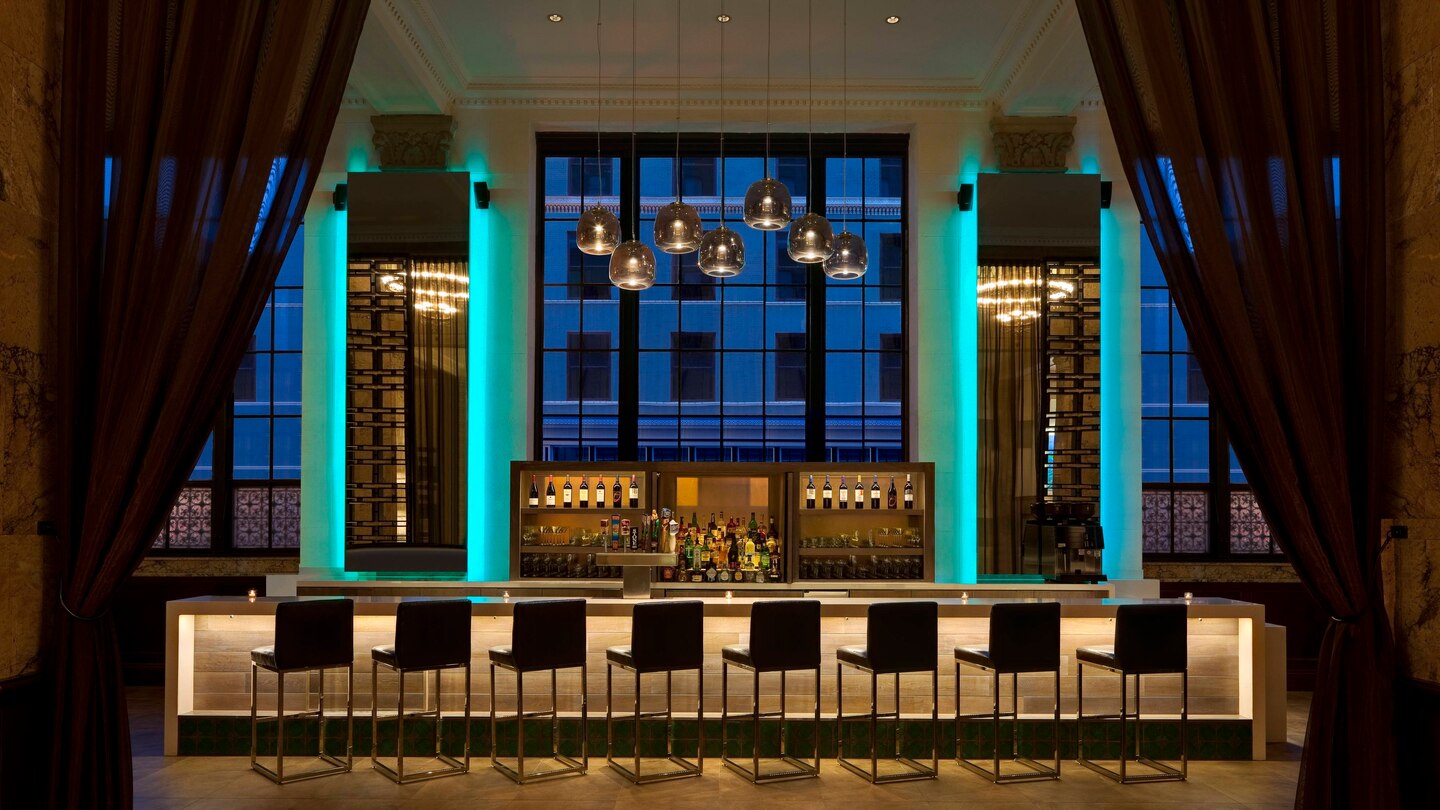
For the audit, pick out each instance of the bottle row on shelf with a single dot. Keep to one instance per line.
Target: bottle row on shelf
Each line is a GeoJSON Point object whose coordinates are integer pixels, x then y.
{"type": "Point", "coordinates": [580, 497]}
{"type": "Point", "coordinates": [858, 496]}
{"type": "Point", "coordinates": [893, 537]}
{"type": "Point", "coordinates": [860, 566]}
{"type": "Point", "coordinates": [566, 566]}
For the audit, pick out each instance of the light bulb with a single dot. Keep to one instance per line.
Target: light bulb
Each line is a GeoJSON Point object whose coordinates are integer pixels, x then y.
{"type": "Point", "coordinates": [850, 258]}
{"type": "Point", "coordinates": [722, 253]}
{"type": "Point", "coordinates": [811, 239]}
{"type": "Point", "coordinates": [767, 205]}
{"type": "Point", "coordinates": [632, 266]}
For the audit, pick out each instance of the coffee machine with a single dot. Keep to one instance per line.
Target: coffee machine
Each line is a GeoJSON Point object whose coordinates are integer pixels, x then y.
{"type": "Point", "coordinates": [1069, 543]}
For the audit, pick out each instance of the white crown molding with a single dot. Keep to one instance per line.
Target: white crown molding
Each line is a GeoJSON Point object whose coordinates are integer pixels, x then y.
{"type": "Point", "coordinates": [706, 94]}
{"type": "Point", "coordinates": [999, 92]}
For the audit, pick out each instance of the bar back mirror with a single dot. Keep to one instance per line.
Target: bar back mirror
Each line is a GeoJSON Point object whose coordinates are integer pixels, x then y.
{"type": "Point", "coordinates": [1039, 362]}
{"type": "Point", "coordinates": [408, 321]}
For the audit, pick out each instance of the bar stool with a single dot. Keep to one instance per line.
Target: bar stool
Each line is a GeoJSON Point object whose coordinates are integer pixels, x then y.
{"type": "Point", "coordinates": [310, 636]}
{"type": "Point", "coordinates": [430, 635]}
{"type": "Point", "coordinates": [548, 634]}
{"type": "Point", "coordinates": [665, 637]}
{"type": "Point", "coordinates": [784, 636]}
{"type": "Point", "coordinates": [1149, 640]}
{"type": "Point", "coordinates": [1024, 637]}
{"type": "Point", "coordinates": [900, 637]}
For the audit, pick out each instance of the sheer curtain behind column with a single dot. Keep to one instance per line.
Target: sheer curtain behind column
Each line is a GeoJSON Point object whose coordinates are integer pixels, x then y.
{"type": "Point", "coordinates": [435, 480]}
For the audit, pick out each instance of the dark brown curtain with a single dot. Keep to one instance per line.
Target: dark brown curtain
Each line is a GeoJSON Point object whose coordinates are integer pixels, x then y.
{"type": "Point", "coordinates": [214, 118]}
{"type": "Point", "coordinates": [1252, 137]}
{"type": "Point", "coordinates": [436, 402]}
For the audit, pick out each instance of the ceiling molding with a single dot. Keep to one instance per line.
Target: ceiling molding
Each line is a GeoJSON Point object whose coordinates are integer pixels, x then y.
{"type": "Point", "coordinates": [706, 94]}
{"type": "Point", "coordinates": [1056, 6]}
{"type": "Point", "coordinates": [397, 24]}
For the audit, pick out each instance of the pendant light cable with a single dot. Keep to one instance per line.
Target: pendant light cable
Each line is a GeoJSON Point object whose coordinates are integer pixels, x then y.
{"type": "Point", "coordinates": [768, 13]}
{"type": "Point", "coordinates": [634, 164]}
{"type": "Point", "coordinates": [599, 11]}
{"type": "Point", "coordinates": [679, 186]}
{"type": "Point", "coordinates": [845, 114]}
{"type": "Point", "coordinates": [722, 115]}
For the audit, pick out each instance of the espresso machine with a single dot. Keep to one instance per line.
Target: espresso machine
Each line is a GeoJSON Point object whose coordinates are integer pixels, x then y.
{"type": "Point", "coordinates": [1066, 541]}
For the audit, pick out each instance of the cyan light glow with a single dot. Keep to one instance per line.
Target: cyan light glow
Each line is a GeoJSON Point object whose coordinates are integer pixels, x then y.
{"type": "Point", "coordinates": [1120, 460]}
{"type": "Point", "coordinates": [322, 443]}
{"type": "Point", "coordinates": [483, 541]}
{"type": "Point", "coordinates": [967, 383]}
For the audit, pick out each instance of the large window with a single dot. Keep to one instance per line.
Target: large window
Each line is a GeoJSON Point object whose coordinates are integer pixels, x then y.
{"type": "Point", "coordinates": [244, 492]}
{"type": "Point", "coordinates": [776, 364]}
{"type": "Point", "coordinates": [1196, 499]}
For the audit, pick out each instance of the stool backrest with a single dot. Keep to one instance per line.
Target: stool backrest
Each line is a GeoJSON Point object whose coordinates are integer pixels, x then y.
{"type": "Point", "coordinates": [1151, 638]}
{"type": "Point", "coordinates": [549, 634]}
{"type": "Point", "coordinates": [668, 635]}
{"type": "Point", "coordinates": [431, 634]}
{"type": "Point", "coordinates": [902, 636]}
{"type": "Point", "coordinates": [314, 633]}
{"type": "Point", "coordinates": [1025, 636]}
{"type": "Point", "coordinates": [785, 634]}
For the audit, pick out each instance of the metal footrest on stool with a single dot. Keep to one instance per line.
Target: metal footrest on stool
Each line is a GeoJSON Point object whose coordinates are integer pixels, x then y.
{"type": "Point", "coordinates": [798, 768]}
{"type": "Point", "coordinates": [914, 769]}
{"type": "Point", "coordinates": [278, 775]}
{"type": "Point", "coordinates": [684, 768]}
{"type": "Point", "coordinates": [570, 766]}
{"type": "Point", "coordinates": [397, 774]}
{"type": "Point", "coordinates": [1160, 771]}
{"type": "Point", "coordinates": [1038, 771]}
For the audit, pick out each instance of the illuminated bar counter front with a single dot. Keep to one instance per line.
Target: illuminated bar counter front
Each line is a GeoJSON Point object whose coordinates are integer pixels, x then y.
{"type": "Point", "coordinates": [208, 643]}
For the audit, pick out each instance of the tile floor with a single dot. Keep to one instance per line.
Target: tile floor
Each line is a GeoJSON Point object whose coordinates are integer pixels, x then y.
{"type": "Point", "coordinates": [170, 783]}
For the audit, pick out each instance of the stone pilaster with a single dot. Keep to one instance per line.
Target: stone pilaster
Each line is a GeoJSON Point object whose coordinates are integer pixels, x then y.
{"type": "Point", "coordinates": [1032, 143]}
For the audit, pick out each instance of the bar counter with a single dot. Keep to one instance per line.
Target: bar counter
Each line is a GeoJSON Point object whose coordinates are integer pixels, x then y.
{"type": "Point", "coordinates": [208, 640]}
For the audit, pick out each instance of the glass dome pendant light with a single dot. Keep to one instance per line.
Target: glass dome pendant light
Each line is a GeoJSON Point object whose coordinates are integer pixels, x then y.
{"type": "Point", "coordinates": [677, 225]}
{"type": "Point", "coordinates": [812, 240]}
{"type": "Point", "coordinates": [722, 251]}
{"type": "Point", "coordinates": [767, 201]}
{"type": "Point", "coordinates": [598, 231]}
{"type": "Point", "coordinates": [851, 257]}
{"type": "Point", "coordinates": [632, 265]}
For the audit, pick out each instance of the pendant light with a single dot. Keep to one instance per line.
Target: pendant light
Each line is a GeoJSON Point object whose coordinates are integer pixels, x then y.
{"type": "Point", "coordinates": [677, 225]}
{"type": "Point", "coordinates": [598, 231]}
{"type": "Point", "coordinates": [851, 256]}
{"type": "Point", "coordinates": [767, 201]}
{"type": "Point", "coordinates": [812, 239]}
{"type": "Point", "coordinates": [632, 265]}
{"type": "Point", "coordinates": [722, 251]}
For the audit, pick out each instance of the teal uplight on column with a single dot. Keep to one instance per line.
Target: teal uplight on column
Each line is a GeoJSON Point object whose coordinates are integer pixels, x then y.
{"type": "Point", "coordinates": [322, 442]}
{"type": "Point", "coordinates": [487, 492]}
{"type": "Point", "coordinates": [967, 384]}
{"type": "Point", "coordinates": [1120, 461]}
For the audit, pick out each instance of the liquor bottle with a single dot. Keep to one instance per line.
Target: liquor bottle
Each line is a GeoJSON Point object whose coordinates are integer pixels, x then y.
{"type": "Point", "coordinates": [859, 492]}
{"type": "Point", "coordinates": [810, 493]}
{"type": "Point", "coordinates": [569, 495]}
{"type": "Point", "coordinates": [616, 493]}
{"type": "Point", "coordinates": [752, 560]}
{"type": "Point", "coordinates": [534, 494]}
{"type": "Point", "coordinates": [844, 494]}
{"type": "Point", "coordinates": [754, 527]}
{"type": "Point", "coordinates": [654, 540]}
{"type": "Point", "coordinates": [694, 523]}
{"type": "Point", "coordinates": [584, 493]}
{"type": "Point", "coordinates": [890, 496]}
{"type": "Point", "coordinates": [549, 492]}
{"type": "Point", "coordinates": [600, 493]}
{"type": "Point", "coordinates": [827, 495]}
{"type": "Point", "coordinates": [909, 493]}
{"type": "Point", "coordinates": [765, 556]}
{"type": "Point", "coordinates": [614, 532]}
{"type": "Point", "coordinates": [773, 533]}
{"type": "Point", "coordinates": [875, 492]}
{"type": "Point", "coordinates": [634, 493]}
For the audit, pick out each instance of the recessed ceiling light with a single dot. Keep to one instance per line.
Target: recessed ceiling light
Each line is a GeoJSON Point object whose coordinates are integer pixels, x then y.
{"type": "Point", "coordinates": [724, 18]}
{"type": "Point", "coordinates": [555, 18]}
{"type": "Point", "coordinates": [892, 19]}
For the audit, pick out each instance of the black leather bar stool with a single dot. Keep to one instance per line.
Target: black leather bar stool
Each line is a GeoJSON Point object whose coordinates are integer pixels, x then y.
{"type": "Point", "coordinates": [429, 636]}
{"type": "Point", "coordinates": [900, 637]}
{"type": "Point", "coordinates": [548, 635]}
{"type": "Point", "coordinates": [664, 637]}
{"type": "Point", "coordinates": [1024, 637]}
{"type": "Point", "coordinates": [1149, 640]}
{"type": "Point", "coordinates": [310, 636]}
{"type": "Point", "coordinates": [784, 636]}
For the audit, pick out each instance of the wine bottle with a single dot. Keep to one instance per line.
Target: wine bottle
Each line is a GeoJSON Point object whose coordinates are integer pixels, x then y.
{"type": "Point", "coordinates": [534, 494]}
{"type": "Point", "coordinates": [810, 493]}
{"type": "Point", "coordinates": [600, 493]}
{"type": "Point", "coordinates": [909, 493]}
{"type": "Point", "coordinates": [616, 500]}
{"type": "Point", "coordinates": [844, 494]}
{"type": "Point", "coordinates": [549, 492]}
{"type": "Point", "coordinates": [827, 495]}
{"type": "Point", "coordinates": [584, 493]}
{"type": "Point", "coordinates": [753, 527]}
{"type": "Point", "coordinates": [859, 492]}
{"type": "Point", "coordinates": [875, 492]}
{"type": "Point", "coordinates": [568, 496]}
{"type": "Point", "coordinates": [634, 493]}
{"type": "Point", "coordinates": [890, 496]}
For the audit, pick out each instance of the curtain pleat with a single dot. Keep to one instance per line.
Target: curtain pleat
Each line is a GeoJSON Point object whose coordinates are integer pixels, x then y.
{"type": "Point", "coordinates": [1252, 136]}
{"type": "Point", "coordinates": [212, 120]}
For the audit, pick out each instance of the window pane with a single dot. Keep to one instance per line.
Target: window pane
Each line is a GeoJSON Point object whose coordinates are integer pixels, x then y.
{"type": "Point", "coordinates": [1192, 450]}
{"type": "Point", "coordinates": [252, 448]}
{"type": "Point", "coordinates": [286, 463]}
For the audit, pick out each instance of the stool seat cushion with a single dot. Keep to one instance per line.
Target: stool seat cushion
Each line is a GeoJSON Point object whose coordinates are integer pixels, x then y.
{"type": "Point", "coordinates": [859, 655]}
{"type": "Point", "coordinates": [385, 654]}
{"type": "Point", "coordinates": [624, 655]}
{"type": "Point", "coordinates": [979, 656]}
{"type": "Point", "coordinates": [855, 654]}
{"type": "Point", "coordinates": [1103, 656]}
{"type": "Point", "coordinates": [264, 656]}
{"type": "Point", "coordinates": [505, 656]}
{"type": "Point", "coordinates": [737, 654]}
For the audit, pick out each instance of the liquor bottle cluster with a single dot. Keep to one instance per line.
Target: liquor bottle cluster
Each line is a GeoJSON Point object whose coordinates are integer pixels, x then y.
{"type": "Point", "coordinates": [719, 550]}
{"type": "Point", "coordinates": [860, 566]}
{"type": "Point", "coordinates": [584, 496]}
{"type": "Point", "coordinates": [857, 497]}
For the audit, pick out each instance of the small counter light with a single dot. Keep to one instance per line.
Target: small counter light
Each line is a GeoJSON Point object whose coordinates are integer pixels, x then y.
{"type": "Point", "coordinates": [555, 18]}
{"type": "Point", "coordinates": [892, 19]}
{"type": "Point", "coordinates": [729, 594]}
{"type": "Point", "coordinates": [724, 18]}
{"type": "Point", "coordinates": [250, 594]}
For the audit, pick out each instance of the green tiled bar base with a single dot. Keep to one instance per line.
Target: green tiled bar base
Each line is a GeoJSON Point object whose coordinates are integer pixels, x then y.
{"type": "Point", "coordinates": [229, 735]}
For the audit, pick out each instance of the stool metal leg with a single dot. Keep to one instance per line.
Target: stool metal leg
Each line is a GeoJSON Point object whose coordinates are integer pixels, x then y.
{"type": "Point", "coordinates": [277, 775]}
{"type": "Point", "coordinates": [397, 774]}
{"type": "Point", "coordinates": [571, 767]}
{"type": "Point", "coordinates": [798, 768]}
{"type": "Point", "coordinates": [1036, 771]}
{"type": "Point", "coordinates": [913, 769]}
{"type": "Point", "coordinates": [1161, 771]}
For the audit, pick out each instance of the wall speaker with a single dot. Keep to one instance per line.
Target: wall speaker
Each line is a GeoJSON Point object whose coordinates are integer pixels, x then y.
{"type": "Point", "coordinates": [482, 195]}
{"type": "Point", "coordinates": [1105, 188]}
{"type": "Point", "coordinates": [341, 196]}
{"type": "Point", "coordinates": [965, 197]}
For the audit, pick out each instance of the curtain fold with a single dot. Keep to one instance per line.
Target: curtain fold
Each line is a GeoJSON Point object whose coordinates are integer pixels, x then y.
{"type": "Point", "coordinates": [1252, 136]}
{"type": "Point", "coordinates": [211, 120]}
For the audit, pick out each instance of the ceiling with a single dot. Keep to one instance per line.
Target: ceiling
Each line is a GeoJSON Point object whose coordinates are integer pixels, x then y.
{"type": "Point", "coordinates": [1021, 56]}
